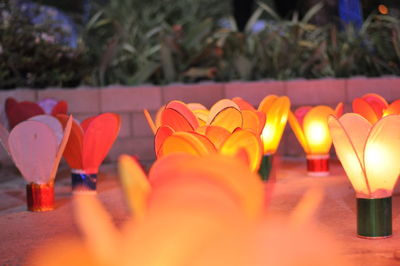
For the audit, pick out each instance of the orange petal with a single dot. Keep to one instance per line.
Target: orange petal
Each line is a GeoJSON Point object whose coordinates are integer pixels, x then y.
{"type": "Point", "coordinates": [251, 121]}
{"type": "Point", "coordinates": [182, 108]}
{"type": "Point", "coordinates": [243, 105]}
{"type": "Point", "coordinates": [298, 132]}
{"type": "Point", "coordinates": [135, 184]}
{"type": "Point", "coordinates": [163, 132]}
{"type": "Point", "coordinates": [73, 150]}
{"type": "Point", "coordinates": [217, 135]}
{"type": "Point", "coordinates": [60, 108]}
{"type": "Point", "coordinates": [377, 102]}
{"type": "Point", "coordinates": [266, 103]}
{"type": "Point", "coordinates": [301, 112]}
{"type": "Point", "coordinates": [100, 135]}
{"type": "Point", "coordinates": [150, 121]}
{"type": "Point", "coordinates": [183, 142]}
{"type": "Point", "coordinates": [158, 116]}
{"type": "Point", "coordinates": [339, 110]}
{"type": "Point", "coordinates": [247, 140]}
{"type": "Point", "coordinates": [394, 108]}
{"type": "Point", "coordinates": [196, 106]}
{"type": "Point", "coordinates": [175, 120]}
{"type": "Point", "coordinates": [362, 107]}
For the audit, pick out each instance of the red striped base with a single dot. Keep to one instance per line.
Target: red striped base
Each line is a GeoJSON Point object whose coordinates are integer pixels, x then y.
{"type": "Point", "coordinates": [318, 165]}
{"type": "Point", "coordinates": [40, 197]}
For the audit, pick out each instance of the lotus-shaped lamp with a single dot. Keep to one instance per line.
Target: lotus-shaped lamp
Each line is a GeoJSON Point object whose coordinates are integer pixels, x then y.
{"type": "Point", "coordinates": [87, 147]}
{"type": "Point", "coordinates": [370, 155]}
{"type": "Point", "coordinates": [20, 111]}
{"type": "Point", "coordinates": [310, 125]}
{"type": "Point", "coordinates": [36, 147]}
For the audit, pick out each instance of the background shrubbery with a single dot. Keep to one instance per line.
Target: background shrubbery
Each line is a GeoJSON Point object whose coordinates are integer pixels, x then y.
{"type": "Point", "coordinates": [134, 41]}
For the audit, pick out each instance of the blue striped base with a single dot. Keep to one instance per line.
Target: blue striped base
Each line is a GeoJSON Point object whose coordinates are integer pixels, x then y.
{"type": "Point", "coordinates": [82, 182]}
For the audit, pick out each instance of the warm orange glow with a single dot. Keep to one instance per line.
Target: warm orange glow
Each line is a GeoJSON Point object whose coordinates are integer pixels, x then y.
{"type": "Point", "coordinates": [372, 107]}
{"type": "Point", "coordinates": [311, 128]}
{"type": "Point", "coordinates": [369, 153]}
{"type": "Point", "coordinates": [383, 9]}
{"type": "Point", "coordinates": [276, 110]}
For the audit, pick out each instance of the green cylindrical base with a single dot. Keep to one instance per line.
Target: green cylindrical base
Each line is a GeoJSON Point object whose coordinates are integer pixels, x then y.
{"type": "Point", "coordinates": [374, 217]}
{"type": "Point", "coordinates": [266, 167]}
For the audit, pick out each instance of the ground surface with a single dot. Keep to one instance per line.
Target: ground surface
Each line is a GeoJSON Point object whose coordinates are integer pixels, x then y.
{"type": "Point", "coordinates": [22, 231]}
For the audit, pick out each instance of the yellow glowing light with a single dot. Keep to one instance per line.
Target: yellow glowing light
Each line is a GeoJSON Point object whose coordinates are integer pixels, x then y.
{"type": "Point", "coordinates": [370, 154]}
{"type": "Point", "coordinates": [383, 9]}
{"type": "Point", "coordinates": [318, 133]}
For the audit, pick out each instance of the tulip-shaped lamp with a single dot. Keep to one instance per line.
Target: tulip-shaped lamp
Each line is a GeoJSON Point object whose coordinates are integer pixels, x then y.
{"type": "Point", "coordinates": [87, 147]}
{"type": "Point", "coordinates": [276, 110]}
{"type": "Point", "coordinates": [36, 147]}
{"type": "Point", "coordinates": [370, 155]}
{"type": "Point", "coordinates": [310, 125]}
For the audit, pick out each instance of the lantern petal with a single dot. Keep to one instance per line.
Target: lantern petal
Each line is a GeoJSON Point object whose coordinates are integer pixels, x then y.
{"type": "Point", "coordinates": [202, 116]}
{"type": "Point", "coordinates": [196, 106]}
{"type": "Point", "coordinates": [251, 121]}
{"type": "Point", "coordinates": [21, 111]}
{"type": "Point", "coordinates": [98, 139]}
{"type": "Point", "coordinates": [158, 116]}
{"type": "Point", "coordinates": [33, 147]}
{"type": "Point", "coordinates": [229, 118]}
{"type": "Point", "coordinates": [4, 134]}
{"type": "Point", "coordinates": [60, 108]}
{"type": "Point", "coordinates": [217, 135]}
{"type": "Point", "coordinates": [135, 184]}
{"type": "Point", "coordinates": [184, 110]}
{"type": "Point", "coordinates": [298, 131]}
{"type": "Point", "coordinates": [347, 153]}
{"type": "Point", "coordinates": [183, 142]}
{"type": "Point", "coordinates": [73, 149]}
{"type": "Point", "coordinates": [163, 132]}
{"type": "Point", "coordinates": [246, 140]}
{"type": "Point", "coordinates": [53, 123]}
{"type": "Point", "coordinates": [266, 103]}
{"type": "Point", "coordinates": [219, 106]}
{"type": "Point", "coordinates": [300, 113]}
{"type": "Point", "coordinates": [316, 129]}
{"type": "Point", "coordinates": [175, 120]}
{"type": "Point", "coordinates": [360, 106]}
{"type": "Point", "coordinates": [394, 108]}
{"type": "Point", "coordinates": [150, 121]}
{"type": "Point", "coordinates": [243, 105]}
{"type": "Point", "coordinates": [382, 156]}
{"type": "Point", "coordinates": [339, 110]}
{"type": "Point", "coordinates": [276, 120]}
{"type": "Point", "coordinates": [377, 102]}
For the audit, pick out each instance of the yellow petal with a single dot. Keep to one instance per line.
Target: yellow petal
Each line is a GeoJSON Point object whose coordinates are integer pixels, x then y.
{"type": "Point", "coordinates": [298, 131]}
{"type": "Point", "coordinates": [184, 142]}
{"type": "Point", "coordinates": [394, 108]}
{"type": "Point", "coordinates": [135, 185]}
{"type": "Point", "coordinates": [217, 135]}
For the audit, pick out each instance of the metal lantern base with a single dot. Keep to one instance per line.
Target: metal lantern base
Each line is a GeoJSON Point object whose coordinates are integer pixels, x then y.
{"type": "Point", "coordinates": [266, 167]}
{"type": "Point", "coordinates": [40, 197]}
{"type": "Point", "coordinates": [374, 218]}
{"type": "Point", "coordinates": [83, 183]}
{"type": "Point", "coordinates": [318, 165]}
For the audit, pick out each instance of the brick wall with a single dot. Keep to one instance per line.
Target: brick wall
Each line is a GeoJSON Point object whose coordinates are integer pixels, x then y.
{"type": "Point", "coordinates": [135, 136]}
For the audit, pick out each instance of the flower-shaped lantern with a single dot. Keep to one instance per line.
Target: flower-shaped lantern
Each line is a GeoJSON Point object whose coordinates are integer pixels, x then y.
{"type": "Point", "coordinates": [36, 147]}
{"type": "Point", "coordinates": [221, 132]}
{"type": "Point", "coordinates": [310, 125]}
{"type": "Point", "coordinates": [370, 155]}
{"type": "Point", "coordinates": [276, 110]}
{"type": "Point", "coordinates": [87, 147]}
{"type": "Point", "coordinates": [373, 107]}
{"type": "Point", "coordinates": [20, 111]}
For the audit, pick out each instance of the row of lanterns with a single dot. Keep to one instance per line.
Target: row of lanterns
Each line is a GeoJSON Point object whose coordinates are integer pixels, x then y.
{"type": "Point", "coordinates": [367, 142]}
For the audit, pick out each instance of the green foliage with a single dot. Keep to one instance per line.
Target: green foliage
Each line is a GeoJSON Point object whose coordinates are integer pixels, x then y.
{"type": "Point", "coordinates": [30, 57]}
{"type": "Point", "coordinates": [138, 42]}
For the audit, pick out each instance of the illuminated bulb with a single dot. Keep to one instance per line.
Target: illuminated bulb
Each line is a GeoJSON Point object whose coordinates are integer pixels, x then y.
{"type": "Point", "coordinates": [370, 155]}
{"type": "Point", "coordinates": [383, 9]}
{"type": "Point", "coordinates": [311, 129]}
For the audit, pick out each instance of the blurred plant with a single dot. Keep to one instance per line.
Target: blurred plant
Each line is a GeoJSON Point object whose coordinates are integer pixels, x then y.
{"type": "Point", "coordinates": [30, 55]}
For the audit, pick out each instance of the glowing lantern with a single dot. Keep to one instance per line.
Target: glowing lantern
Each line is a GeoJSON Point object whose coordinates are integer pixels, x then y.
{"type": "Point", "coordinates": [87, 147]}
{"type": "Point", "coordinates": [370, 155]}
{"type": "Point", "coordinates": [36, 147]}
{"type": "Point", "coordinates": [276, 110]}
{"type": "Point", "coordinates": [310, 125]}
{"type": "Point", "coordinates": [20, 111]}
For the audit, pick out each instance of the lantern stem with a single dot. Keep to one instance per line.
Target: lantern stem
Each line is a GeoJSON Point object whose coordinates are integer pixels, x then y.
{"type": "Point", "coordinates": [82, 182]}
{"type": "Point", "coordinates": [40, 197]}
{"type": "Point", "coordinates": [265, 169]}
{"type": "Point", "coordinates": [374, 218]}
{"type": "Point", "coordinates": [318, 165]}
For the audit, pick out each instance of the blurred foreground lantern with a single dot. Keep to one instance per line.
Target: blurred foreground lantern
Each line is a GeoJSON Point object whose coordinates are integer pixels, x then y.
{"type": "Point", "coordinates": [310, 125]}
{"type": "Point", "coordinates": [36, 147]}
{"type": "Point", "coordinates": [276, 110]}
{"type": "Point", "coordinates": [370, 155]}
{"type": "Point", "coordinates": [87, 147]}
